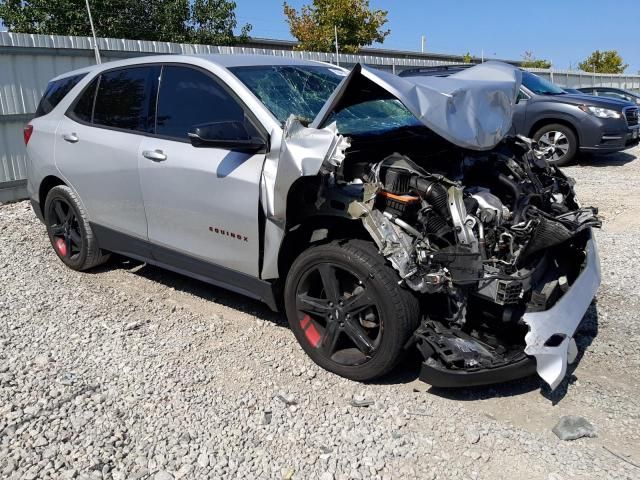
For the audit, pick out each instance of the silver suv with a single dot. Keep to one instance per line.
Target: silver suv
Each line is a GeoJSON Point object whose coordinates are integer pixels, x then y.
{"type": "Point", "coordinates": [382, 213]}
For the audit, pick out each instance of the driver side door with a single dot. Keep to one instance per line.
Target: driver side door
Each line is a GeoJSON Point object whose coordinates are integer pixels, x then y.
{"type": "Point", "coordinates": [201, 203]}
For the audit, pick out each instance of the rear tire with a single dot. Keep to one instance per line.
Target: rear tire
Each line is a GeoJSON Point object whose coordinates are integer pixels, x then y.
{"type": "Point", "coordinates": [559, 142]}
{"type": "Point", "coordinates": [357, 327]}
{"type": "Point", "coordinates": [69, 230]}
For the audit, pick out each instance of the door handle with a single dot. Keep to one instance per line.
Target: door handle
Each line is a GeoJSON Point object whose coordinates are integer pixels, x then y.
{"type": "Point", "coordinates": [155, 155]}
{"type": "Point", "coordinates": [70, 137]}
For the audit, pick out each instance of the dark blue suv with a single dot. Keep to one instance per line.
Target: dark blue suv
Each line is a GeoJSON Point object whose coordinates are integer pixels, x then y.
{"type": "Point", "coordinates": [564, 123]}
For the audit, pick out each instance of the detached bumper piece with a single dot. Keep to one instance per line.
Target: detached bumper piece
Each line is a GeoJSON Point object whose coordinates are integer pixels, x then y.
{"type": "Point", "coordinates": [465, 361]}
{"type": "Point", "coordinates": [550, 337]}
{"type": "Point", "coordinates": [438, 377]}
{"type": "Point", "coordinates": [454, 358]}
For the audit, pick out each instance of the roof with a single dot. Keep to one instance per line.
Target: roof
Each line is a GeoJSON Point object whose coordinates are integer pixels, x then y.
{"type": "Point", "coordinates": [436, 70]}
{"type": "Point", "coordinates": [229, 61]}
{"type": "Point", "coordinates": [225, 61]}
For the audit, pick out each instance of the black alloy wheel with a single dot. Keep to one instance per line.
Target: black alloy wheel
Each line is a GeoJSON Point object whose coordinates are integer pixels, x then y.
{"type": "Point", "coordinates": [347, 309]}
{"type": "Point", "coordinates": [69, 230]}
{"type": "Point", "coordinates": [64, 229]}
{"type": "Point", "coordinates": [338, 315]}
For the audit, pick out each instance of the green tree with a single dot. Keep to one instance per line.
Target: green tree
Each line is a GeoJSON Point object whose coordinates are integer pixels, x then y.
{"type": "Point", "coordinates": [215, 21]}
{"type": "Point", "coordinates": [530, 61]}
{"type": "Point", "coordinates": [357, 24]}
{"type": "Point", "coordinates": [467, 58]}
{"type": "Point", "coordinates": [203, 21]}
{"type": "Point", "coordinates": [608, 61]}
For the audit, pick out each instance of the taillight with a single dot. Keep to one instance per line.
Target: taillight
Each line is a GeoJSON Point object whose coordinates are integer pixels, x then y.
{"type": "Point", "coordinates": [28, 130]}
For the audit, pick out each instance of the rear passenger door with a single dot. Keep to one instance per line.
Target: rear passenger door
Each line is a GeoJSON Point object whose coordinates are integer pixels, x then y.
{"type": "Point", "coordinates": [201, 203]}
{"type": "Point", "coordinates": [97, 144]}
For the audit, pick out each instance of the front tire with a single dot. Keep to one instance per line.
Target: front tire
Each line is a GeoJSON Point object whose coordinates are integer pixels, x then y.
{"type": "Point", "coordinates": [347, 310]}
{"type": "Point", "coordinates": [69, 230]}
{"type": "Point", "coordinates": [558, 142]}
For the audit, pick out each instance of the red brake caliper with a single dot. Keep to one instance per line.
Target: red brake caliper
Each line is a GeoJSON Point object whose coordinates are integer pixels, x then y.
{"type": "Point", "coordinates": [61, 246]}
{"type": "Point", "coordinates": [310, 331]}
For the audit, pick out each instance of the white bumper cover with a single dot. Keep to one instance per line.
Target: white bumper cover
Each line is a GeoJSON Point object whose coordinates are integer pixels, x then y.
{"type": "Point", "coordinates": [562, 319]}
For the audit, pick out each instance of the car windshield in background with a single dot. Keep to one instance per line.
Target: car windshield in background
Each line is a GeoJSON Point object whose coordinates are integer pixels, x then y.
{"type": "Point", "coordinates": [539, 85]}
{"type": "Point", "coordinates": [302, 90]}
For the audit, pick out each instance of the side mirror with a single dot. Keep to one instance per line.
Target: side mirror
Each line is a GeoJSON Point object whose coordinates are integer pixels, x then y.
{"type": "Point", "coordinates": [522, 97]}
{"type": "Point", "coordinates": [229, 135]}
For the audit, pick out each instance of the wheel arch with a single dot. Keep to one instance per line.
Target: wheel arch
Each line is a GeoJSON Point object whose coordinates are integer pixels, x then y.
{"type": "Point", "coordinates": [551, 120]}
{"type": "Point", "coordinates": [46, 185]}
{"type": "Point", "coordinates": [307, 224]}
{"type": "Point", "coordinates": [315, 230]}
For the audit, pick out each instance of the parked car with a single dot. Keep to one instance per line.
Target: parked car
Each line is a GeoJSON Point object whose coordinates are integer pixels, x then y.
{"type": "Point", "coordinates": [610, 92]}
{"type": "Point", "coordinates": [563, 123]}
{"type": "Point", "coordinates": [376, 216]}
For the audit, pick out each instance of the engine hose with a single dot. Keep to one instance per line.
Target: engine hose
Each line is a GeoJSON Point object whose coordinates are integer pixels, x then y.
{"type": "Point", "coordinates": [481, 242]}
{"type": "Point", "coordinates": [404, 225]}
{"type": "Point", "coordinates": [433, 192]}
{"type": "Point", "coordinates": [517, 195]}
{"type": "Point", "coordinates": [512, 186]}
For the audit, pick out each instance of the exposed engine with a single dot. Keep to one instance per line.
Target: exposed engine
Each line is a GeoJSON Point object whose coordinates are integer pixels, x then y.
{"type": "Point", "coordinates": [492, 237]}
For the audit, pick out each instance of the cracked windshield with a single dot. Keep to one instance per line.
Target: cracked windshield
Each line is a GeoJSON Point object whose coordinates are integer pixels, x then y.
{"type": "Point", "coordinates": [303, 90]}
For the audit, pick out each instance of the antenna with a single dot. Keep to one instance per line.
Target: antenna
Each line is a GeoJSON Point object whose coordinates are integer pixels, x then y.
{"type": "Point", "coordinates": [93, 31]}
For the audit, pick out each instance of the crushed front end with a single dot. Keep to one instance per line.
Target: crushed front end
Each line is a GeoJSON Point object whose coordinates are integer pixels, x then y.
{"type": "Point", "coordinates": [488, 235]}
{"type": "Point", "coordinates": [502, 253]}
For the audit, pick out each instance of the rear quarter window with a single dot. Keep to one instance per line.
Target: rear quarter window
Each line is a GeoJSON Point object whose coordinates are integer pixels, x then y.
{"type": "Point", "coordinates": [83, 109]}
{"type": "Point", "coordinates": [55, 92]}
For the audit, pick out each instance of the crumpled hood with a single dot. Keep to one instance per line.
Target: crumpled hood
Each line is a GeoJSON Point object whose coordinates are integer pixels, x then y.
{"type": "Point", "coordinates": [472, 109]}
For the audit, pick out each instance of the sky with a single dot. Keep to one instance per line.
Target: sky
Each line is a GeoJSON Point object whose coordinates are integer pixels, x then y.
{"type": "Point", "coordinates": [563, 31]}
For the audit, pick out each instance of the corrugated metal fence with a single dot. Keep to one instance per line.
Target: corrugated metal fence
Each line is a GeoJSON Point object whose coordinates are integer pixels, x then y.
{"type": "Point", "coordinates": [579, 79]}
{"type": "Point", "coordinates": [27, 62]}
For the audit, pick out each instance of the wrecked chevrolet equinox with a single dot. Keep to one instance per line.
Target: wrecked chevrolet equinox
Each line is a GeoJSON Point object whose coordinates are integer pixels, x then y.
{"type": "Point", "coordinates": [382, 213]}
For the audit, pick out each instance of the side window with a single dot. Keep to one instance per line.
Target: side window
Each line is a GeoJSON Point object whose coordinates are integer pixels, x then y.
{"type": "Point", "coordinates": [612, 94]}
{"type": "Point", "coordinates": [55, 92]}
{"type": "Point", "coordinates": [522, 96]}
{"type": "Point", "coordinates": [122, 99]}
{"type": "Point", "coordinates": [190, 97]}
{"type": "Point", "coordinates": [83, 109]}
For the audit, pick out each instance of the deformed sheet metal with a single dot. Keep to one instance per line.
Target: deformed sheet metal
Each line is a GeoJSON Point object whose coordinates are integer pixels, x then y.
{"type": "Point", "coordinates": [562, 319]}
{"type": "Point", "coordinates": [302, 151]}
{"type": "Point", "coordinates": [472, 109]}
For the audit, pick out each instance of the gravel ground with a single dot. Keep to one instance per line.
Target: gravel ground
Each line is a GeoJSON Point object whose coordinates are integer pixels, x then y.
{"type": "Point", "coordinates": [133, 372]}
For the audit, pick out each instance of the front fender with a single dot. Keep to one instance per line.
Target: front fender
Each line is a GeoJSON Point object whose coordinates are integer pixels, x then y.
{"type": "Point", "coordinates": [300, 151]}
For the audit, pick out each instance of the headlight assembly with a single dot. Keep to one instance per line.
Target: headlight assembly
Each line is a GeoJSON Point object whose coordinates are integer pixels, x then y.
{"type": "Point", "coordinates": [600, 112]}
